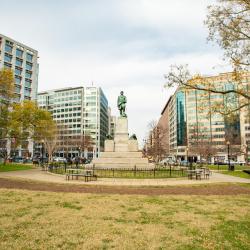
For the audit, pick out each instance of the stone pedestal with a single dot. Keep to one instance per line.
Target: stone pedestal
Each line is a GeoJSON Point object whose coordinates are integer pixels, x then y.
{"type": "Point", "coordinates": [121, 152]}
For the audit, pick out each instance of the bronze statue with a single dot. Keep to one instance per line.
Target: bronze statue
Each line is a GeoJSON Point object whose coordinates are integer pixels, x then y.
{"type": "Point", "coordinates": [133, 137]}
{"type": "Point", "coordinates": [121, 104]}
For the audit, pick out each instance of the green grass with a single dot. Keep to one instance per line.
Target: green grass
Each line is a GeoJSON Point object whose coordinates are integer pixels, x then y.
{"type": "Point", "coordinates": [225, 167]}
{"type": "Point", "coordinates": [42, 220]}
{"type": "Point", "coordinates": [14, 167]}
{"type": "Point", "coordinates": [237, 174]}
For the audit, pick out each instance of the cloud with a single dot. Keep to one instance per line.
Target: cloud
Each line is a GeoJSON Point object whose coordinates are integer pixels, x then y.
{"type": "Point", "coordinates": [116, 44]}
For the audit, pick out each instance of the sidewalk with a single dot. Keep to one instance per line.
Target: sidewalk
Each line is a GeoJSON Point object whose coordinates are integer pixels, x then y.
{"type": "Point", "coordinates": [39, 175]}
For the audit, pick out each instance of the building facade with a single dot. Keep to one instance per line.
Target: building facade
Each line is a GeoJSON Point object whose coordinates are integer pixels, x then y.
{"type": "Point", "coordinates": [22, 60]}
{"type": "Point", "coordinates": [112, 122]}
{"type": "Point", "coordinates": [196, 132]}
{"type": "Point", "coordinates": [80, 111]}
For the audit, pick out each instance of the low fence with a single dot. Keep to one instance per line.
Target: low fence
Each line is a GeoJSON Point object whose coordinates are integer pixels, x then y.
{"type": "Point", "coordinates": [136, 173]}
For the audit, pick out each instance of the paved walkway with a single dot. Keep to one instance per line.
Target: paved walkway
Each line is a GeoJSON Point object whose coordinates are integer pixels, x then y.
{"type": "Point", "coordinates": [38, 175]}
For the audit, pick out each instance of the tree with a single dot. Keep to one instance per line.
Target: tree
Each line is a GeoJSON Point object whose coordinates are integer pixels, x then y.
{"type": "Point", "coordinates": [229, 26]}
{"type": "Point", "coordinates": [201, 143]}
{"type": "Point", "coordinates": [6, 95]}
{"type": "Point", "coordinates": [28, 121]}
{"type": "Point", "coordinates": [46, 132]}
{"type": "Point", "coordinates": [85, 143]}
{"type": "Point", "coordinates": [156, 148]}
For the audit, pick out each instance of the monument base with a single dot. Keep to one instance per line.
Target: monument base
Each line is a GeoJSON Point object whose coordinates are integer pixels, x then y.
{"type": "Point", "coordinates": [121, 152]}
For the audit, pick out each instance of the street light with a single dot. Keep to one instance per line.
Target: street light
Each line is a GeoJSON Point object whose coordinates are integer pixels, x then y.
{"type": "Point", "coordinates": [228, 154]}
{"type": "Point", "coordinates": [79, 151]}
{"type": "Point", "coordinates": [42, 141]}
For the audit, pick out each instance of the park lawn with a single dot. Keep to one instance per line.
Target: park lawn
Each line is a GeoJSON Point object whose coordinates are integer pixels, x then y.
{"type": "Point", "coordinates": [237, 174]}
{"type": "Point", "coordinates": [42, 220]}
{"type": "Point", "coordinates": [14, 167]}
{"type": "Point", "coordinates": [225, 167]}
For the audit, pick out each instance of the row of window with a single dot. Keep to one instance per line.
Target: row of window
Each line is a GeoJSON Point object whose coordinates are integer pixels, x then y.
{"type": "Point", "coordinates": [69, 120]}
{"type": "Point", "coordinates": [67, 115]}
{"type": "Point", "coordinates": [18, 72]}
{"type": "Point", "coordinates": [66, 110]}
{"type": "Point", "coordinates": [19, 53]}
{"type": "Point", "coordinates": [19, 62]}
{"type": "Point", "coordinates": [68, 99]}
{"type": "Point", "coordinates": [67, 93]}
{"type": "Point", "coordinates": [27, 82]}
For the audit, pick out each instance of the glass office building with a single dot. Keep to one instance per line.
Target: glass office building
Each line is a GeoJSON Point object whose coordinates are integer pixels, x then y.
{"type": "Point", "coordinates": [80, 111]}
{"type": "Point", "coordinates": [192, 119]}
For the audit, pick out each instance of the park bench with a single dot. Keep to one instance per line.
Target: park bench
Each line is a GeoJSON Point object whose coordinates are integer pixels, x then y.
{"type": "Point", "coordinates": [87, 174]}
{"type": "Point", "coordinates": [198, 173]}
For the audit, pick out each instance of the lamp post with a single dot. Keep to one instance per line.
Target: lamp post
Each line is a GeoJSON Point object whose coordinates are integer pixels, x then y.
{"type": "Point", "coordinates": [228, 154]}
{"type": "Point", "coordinates": [187, 158]}
{"type": "Point", "coordinates": [79, 151]}
{"type": "Point", "coordinates": [145, 147]}
{"type": "Point", "coordinates": [42, 141]}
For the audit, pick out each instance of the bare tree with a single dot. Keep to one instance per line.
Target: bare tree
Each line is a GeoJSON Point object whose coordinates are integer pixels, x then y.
{"type": "Point", "coordinates": [156, 147]}
{"type": "Point", "coordinates": [85, 143]}
{"type": "Point", "coordinates": [200, 142]}
{"type": "Point", "coordinates": [229, 25]}
{"type": "Point", "coordinates": [228, 22]}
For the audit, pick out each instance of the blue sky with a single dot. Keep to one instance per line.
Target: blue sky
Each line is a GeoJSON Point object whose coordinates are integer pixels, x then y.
{"type": "Point", "coordinates": [116, 44]}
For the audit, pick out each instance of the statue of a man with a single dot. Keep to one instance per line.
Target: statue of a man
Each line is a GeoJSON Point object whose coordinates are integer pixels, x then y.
{"type": "Point", "coordinates": [121, 104]}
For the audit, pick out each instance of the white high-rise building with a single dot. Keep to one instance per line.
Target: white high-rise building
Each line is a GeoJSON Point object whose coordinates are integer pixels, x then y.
{"type": "Point", "coordinates": [22, 60]}
{"type": "Point", "coordinates": [83, 111]}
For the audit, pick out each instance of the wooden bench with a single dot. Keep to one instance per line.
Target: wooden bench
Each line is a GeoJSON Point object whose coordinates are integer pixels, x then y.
{"type": "Point", "coordinates": [87, 177]}
{"type": "Point", "coordinates": [90, 178]}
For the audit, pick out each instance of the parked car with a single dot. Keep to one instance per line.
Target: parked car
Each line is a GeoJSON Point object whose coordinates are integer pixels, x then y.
{"type": "Point", "coordinates": [88, 161]}
{"type": "Point", "coordinates": [69, 160]}
{"type": "Point", "coordinates": [27, 160]}
{"type": "Point", "coordinates": [59, 159]}
{"type": "Point", "coordinates": [18, 160]}
{"type": "Point", "coordinates": [241, 163]}
{"type": "Point", "coordinates": [35, 160]}
{"type": "Point", "coordinates": [220, 163]}
{"type": "Point", "coordinates": [232, 162]}
{"type": "Point", "coordinates": [184, 163]}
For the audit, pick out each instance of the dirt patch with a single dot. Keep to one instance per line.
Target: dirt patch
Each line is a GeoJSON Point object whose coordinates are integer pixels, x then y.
{"type": "Point", "coordinates": [212, 189]}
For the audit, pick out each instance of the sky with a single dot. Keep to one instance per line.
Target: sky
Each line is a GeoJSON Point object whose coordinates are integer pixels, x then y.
{"type": "Point", "coordinates": [115, 44]}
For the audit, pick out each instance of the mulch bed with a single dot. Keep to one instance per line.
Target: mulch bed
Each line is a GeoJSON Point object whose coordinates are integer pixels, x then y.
{"type": "Point", "coordinates": [211, 189]}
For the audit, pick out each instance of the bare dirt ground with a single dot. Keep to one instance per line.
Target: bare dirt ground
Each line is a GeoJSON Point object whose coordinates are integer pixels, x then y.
{"type": "Point", "coordinates": [206, 189]}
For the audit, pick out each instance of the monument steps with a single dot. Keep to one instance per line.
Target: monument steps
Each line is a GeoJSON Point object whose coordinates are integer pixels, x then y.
{"type": "Point", "coordinates": [124, 165]}
{"type": "Point", "coordinates": [122, 152]}
{"type": "Point", "coordinates": [121, 155]}
{"type": "Point", "coordinates": [122, 160]}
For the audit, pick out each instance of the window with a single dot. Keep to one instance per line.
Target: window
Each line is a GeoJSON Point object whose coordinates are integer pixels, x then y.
{"type": "Point", "coordinates": [29, 57]}
{"type": "Point", "coordinates": [8, 48]}
{"type": "Point", "coordinates": [19, 62]}
{"type": "Point", "coordinates": [17, 89]}
{"type": "Point", "coordinates": [29, 66]}
{"type": "Point", "coordinates": [18, 72]}
{"type": "Point", "coordinates": [27, 83]}
{"type": "Point", "coordinates": [7, 58]}
{"type": "Point", "coordinates": [27, 92]}
{"type": "Point", "coordinates": [19, 53]}
{"type": "Point", "coordinates": [18, 80]}
{"type": "Point", "coordinates": [7, 65]}
{"type": "Point", "coordinates": [28, 74]}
